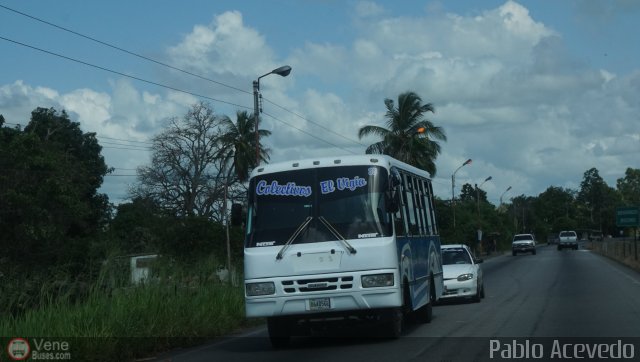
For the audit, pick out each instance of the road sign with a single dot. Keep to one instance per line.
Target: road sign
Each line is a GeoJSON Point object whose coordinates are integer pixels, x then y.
{"type": "Point", "coordinates": [628, 216]}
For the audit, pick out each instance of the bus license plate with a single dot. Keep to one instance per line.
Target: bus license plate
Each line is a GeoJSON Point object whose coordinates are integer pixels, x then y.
{"type": "Point", "coordinates": [320, 304]}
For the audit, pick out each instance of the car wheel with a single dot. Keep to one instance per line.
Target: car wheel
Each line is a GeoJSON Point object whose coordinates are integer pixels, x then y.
{"type": "Point", "coordinates": [559, 248]}
{"type": "Point", "coordinates": [279, 332]}
{"type": "Point", "coordinates": [533, 252]}
{"type": "Point", "coordinates": [482, 291]}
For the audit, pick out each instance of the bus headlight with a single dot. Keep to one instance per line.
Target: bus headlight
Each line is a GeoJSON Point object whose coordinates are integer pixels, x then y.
{"type": "Point", "coordinates": [463, 277]}
{"type": "Point", "coordinates": [377, 280]}
{"type": "Point", "coordinates": [263, 288]}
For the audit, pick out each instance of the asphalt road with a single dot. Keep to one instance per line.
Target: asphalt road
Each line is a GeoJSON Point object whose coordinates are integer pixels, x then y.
{"type": "Point", "coordinates": [537, 304]}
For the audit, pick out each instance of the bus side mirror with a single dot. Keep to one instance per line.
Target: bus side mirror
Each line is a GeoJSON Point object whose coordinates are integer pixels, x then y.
{"type": "Point", "coordinates": [392, 196]}
{"type": "Point", "coordinates": [394, 180]}
{"type": "Point", "coordinates": [392, 202]}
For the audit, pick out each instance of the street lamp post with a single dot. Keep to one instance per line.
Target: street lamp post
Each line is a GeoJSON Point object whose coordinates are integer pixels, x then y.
{"type": "Point", "coordinates": [283, 72]}
{"type": "Point", "coordinates": [505, 191]}
{"type": "Point", "coordinates": [453, 196]}
{"type": "Point", "coordinates": [478, 207]}
{"type": "Point", "coordinates": [478, 196]}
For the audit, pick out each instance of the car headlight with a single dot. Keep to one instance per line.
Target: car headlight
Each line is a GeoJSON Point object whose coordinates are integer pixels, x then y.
{"type": "Point", "coordinates": [463, 277]}
{"type": "Point", "coordinates": [377, 280]}
{"type": "Point", "coordinates": [263, 288]}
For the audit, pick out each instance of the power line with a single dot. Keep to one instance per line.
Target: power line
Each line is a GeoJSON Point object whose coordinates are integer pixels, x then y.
{"type": "Point", "coordinates": [126, 148]}
{"type": "Point", "coordinates": [316, 123]}
{"type": "Point", "coordinates": [130, 147]}
{"type": "Point", "coordinates": [309, 134]}
{"type": "Point", "coordinates": [433, 180]}
{"type": "Point", "coordinates": [161, 85]}
{"type": "Point", "coordinates": [122, 74]}
{"type": "Point", "coordinates": [15, 124]}
{"type": "Point", "coordinates": [124, 140]}
{"type": "Point", "coordinates": [174, 68]}
{"type": "Point", "coordinates": [124, 50]}
{"type": "Point", "coordinates": [124, 144]}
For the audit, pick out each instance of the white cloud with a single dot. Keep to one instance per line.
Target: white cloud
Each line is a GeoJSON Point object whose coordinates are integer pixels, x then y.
{"type": "Point", "coordinates": [18, 100]}
{"type": "Point", "coordinates": [506, 88]}
{"type": "Point", "coordinates": [365, 9]}
{"type": "Point", "coordinates": [225, 45]}
{"type": "Point", "coordinates": [508, 91]}
{"type": "Point", "coordinates": [91, 107]}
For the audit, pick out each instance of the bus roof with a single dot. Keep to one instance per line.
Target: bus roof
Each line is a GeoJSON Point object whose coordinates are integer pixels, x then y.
{"type": "Point", "coordinates": [348, 160]}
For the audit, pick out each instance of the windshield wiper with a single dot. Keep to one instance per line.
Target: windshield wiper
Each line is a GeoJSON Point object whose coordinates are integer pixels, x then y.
{"type": "Point", "coordinates": [337, 234]}
{"type": "Point", "coordinates": [294, 236]}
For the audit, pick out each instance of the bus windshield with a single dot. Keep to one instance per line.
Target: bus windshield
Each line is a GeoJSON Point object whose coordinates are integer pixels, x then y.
{"type": "Point", "coordinates": [350, 198]}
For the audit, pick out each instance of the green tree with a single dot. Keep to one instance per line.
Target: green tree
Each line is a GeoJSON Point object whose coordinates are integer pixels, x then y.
{"type": "Point", "coordinates": [239, 142]}
{"type": "Point", "coordinates": [612, 200]}
{"type": "Point", "coordinates": [592, 199]}
{"type": "Point", "coordinates": [629, 187]}
{"type": "Point", "coordinates": [555, 207]}
{"type": "Point", "coordinates": [408, 136]}
{"type": "Point", "coordinates": [135, 226]}
{"type": "Point", "coordinates": [468, 193]}
{"type": "Point", "coordinates": [49, 200]}
{"type": "Point", "coordinates": [524, 217]}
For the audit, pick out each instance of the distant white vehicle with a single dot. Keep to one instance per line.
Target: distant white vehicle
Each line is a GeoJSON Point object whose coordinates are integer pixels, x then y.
{"type": "Point", "coordinates": [462, 273]}
{"type": "Point", "coordinates": [568, 239]}
{"type": "Point", "coordinates": [523, 243]}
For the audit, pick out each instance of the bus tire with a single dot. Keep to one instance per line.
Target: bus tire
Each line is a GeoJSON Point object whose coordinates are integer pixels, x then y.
{"type": "Point", "coordinates": [392, 327]}
{"type": "Point", "coordinates": [279, 332]}
{"type": "Point", "coordinates": [425, 313]}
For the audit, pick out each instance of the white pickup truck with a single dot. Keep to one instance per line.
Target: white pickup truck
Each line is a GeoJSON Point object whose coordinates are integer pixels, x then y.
{"type": "Point", "coordinates": [568, 239]}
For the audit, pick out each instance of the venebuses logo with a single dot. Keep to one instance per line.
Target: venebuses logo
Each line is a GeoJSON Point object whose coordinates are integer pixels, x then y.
{"type": "Point", "coordinates": [18, 349]}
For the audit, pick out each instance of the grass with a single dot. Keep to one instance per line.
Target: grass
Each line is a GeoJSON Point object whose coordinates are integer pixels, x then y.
{"type": "Point", "coordinates": [117, 322]}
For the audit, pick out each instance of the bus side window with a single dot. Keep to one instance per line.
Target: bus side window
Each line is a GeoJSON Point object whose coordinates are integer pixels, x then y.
{"type": "Point", "coordinates": [407, 206]}
{"type": "Point", "coordinates": [400, 217]}
{"type": "Point", "coordinates": [417, 193]}
{"type": "Point", "coordinates": [431, 213]}
{"type": "Point", "coordinates": [424, 207]}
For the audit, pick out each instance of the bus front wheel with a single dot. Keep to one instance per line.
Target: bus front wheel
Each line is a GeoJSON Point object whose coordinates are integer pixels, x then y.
{"type": "Point", "coordinates": [279, 332]}
{"type": "Point", "coordinates": [392, 327]}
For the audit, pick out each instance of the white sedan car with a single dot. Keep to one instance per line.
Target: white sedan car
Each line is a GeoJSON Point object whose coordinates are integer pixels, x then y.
{"type": "Point", "coordinates": [462, 273]}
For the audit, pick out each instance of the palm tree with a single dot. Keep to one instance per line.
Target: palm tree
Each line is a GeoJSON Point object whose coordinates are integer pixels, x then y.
{"type": "Point", "coordinates": [239, 144]}
{"type": "Point", "coordinates": [408, 137]}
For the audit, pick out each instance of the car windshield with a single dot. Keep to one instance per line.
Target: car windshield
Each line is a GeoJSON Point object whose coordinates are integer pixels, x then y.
{"type": "Point", "coordinates": [567, 233]}
{"type": "Point", "coordinates": [451, 256]}
{"type": "Point", "coordinates": [522, 237]}
{"type": "Point", "coordinates": [349, 198]}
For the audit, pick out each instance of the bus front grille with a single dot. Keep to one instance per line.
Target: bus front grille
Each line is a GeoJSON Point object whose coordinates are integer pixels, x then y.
{"type": "Point", "coordinates": [317, 284]}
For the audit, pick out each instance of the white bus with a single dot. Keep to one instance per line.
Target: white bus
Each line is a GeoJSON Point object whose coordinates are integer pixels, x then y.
{"type": "Point", "coordinates": [339, 238]}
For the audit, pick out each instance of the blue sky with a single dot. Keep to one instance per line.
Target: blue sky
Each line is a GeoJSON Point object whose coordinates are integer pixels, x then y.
{"type": "Point", "coordinates": [535, 92]}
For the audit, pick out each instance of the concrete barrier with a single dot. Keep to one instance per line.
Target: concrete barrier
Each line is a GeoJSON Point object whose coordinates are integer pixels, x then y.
{"type": "Point", "coordinates": [622, 250]}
